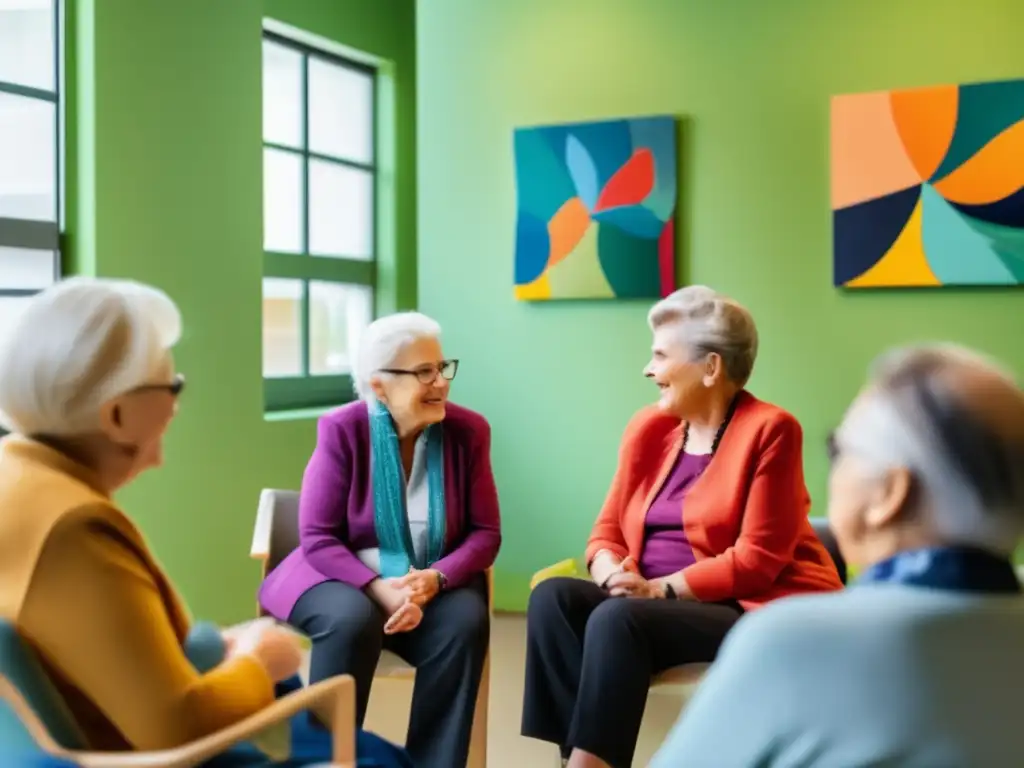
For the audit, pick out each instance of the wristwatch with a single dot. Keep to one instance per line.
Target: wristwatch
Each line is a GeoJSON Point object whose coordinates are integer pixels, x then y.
{"type": "Point", "coordinates": [670, 592]}
{"type": "Point", "coordinates": [442, 581]}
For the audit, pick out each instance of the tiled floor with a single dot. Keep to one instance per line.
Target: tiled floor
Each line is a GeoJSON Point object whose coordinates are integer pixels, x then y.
{"type": "Point", "coordinates": [389, 707]}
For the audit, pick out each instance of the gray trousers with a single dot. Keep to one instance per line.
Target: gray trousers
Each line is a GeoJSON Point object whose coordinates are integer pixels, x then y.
{"type": "Point", "coordinates": [447, 649]}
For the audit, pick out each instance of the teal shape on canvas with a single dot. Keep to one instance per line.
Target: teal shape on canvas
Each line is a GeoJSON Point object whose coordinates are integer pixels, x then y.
{"type": "Point", "coordinates": [1009, 239]}
{"type": "Point", "coordinates": [533, 246]}
{"type": "Point", "coordinates": [608, 144]}
{"type": "Point", "coordinates": [542, 181]}
{"type": "Point", "coordinates": [630, 264]}
{"type": "Point", "coordinates": [636, 220]}
{"type": "Point", "coordinates": [1006, 242]}
{"type": "Point", "coordinates": [956, 252]}
{"type": "Point", "coordinates": [659, 135]}
{"type": "Point", "coordinates": [984, 110]}
{"type": "Point", "coordinates": [582, 171]}
{"type": "Point", "coordinates": [1014, 262]}
{"type": "Point", "coordinates": [555, 136]}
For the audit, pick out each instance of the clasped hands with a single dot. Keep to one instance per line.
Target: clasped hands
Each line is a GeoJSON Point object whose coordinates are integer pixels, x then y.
{"type": "Point", "coordinates": [623, 579]}
{"type": "Point", "coordinates": [402, 599]}
{"type": "Point", "coordinates": [279, 649]}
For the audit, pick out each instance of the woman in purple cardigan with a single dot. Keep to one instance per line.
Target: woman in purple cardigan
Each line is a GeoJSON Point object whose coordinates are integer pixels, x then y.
{"type": "Point", "coordinates": [398, 521]}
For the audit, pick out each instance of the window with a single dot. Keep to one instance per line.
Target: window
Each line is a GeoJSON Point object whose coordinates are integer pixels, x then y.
{"type": "Point", "coordinates": [319, 221]}
{"type": "Point", "coordinates": [30, 151]}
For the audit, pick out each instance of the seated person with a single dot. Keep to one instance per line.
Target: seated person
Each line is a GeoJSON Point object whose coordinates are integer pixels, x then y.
{"type": "Point", "coordinates": [88, 389]}
{"type": "Point", "coordinates": [706, 518]}
{"type": "Point", "coordinates": [919, 663]}
{"type": "Point", "coordinates": [398, 523]}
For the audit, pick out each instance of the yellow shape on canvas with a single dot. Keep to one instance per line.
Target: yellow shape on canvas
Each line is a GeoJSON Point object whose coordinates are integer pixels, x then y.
{"type": "Point", "coordinates": [905, 264]}
{"type": "Point", "coordinates": [538, 290]}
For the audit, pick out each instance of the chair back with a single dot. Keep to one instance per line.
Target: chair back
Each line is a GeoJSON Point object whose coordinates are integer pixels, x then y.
{"type": "Point", "coordinates": [25, 674]}
{"type": "Point", "coordinates": [277, 527]}
{"type": "Point", "coordinates": [825, 535]}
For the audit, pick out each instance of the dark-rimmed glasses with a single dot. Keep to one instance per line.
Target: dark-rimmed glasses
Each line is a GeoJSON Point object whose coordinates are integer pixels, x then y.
{"type": "Point", "coordinates": [175, 386]}
{"type": "Point", "coordinates": [427, 374]}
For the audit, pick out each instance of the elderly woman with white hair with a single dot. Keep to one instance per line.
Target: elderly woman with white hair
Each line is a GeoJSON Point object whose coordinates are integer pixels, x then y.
{"type": "Point", "coordinates": [88, 387]}
{"type": "Point", "coordinates": [707, 517]}
{"type": "Point", "coordinates": [921, 657]}
{"type": "Point", "coordinates": [398, 523]}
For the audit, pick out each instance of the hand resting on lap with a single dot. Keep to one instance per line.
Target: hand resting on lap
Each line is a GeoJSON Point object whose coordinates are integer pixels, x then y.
{"type": "Point", "coordinates": [277, 649]}
{"type": "Point", "coordinates": [403, 614]}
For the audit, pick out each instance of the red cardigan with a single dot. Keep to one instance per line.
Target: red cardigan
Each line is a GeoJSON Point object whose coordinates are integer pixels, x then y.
{"type": "Point", "coordinates": [746, 517]}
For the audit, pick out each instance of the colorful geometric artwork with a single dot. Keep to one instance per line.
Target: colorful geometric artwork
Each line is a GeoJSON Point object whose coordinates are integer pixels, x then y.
{"type": "Point", "coordinates": [928, 187]}
{"type": "Point", "coordinates": [596, 210]}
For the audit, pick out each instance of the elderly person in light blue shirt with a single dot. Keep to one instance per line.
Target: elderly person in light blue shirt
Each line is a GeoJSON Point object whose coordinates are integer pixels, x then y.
{"type": "Point", "coordinates": [921, 662]}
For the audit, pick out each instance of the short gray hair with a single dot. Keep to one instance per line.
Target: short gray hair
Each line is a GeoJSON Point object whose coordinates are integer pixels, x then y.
{"type": "Point", "coordinates": [710, 322]}
{"type": "Point", "coordinates": [968, 467]}
{"type": "Point", "coordinates": [383, 341]}
{"type": "Point", "coordinates": [78, 345]}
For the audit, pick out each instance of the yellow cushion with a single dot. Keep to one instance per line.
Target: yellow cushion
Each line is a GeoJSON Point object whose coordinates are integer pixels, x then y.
{"type": "Point", "coordinates": [562, 568]}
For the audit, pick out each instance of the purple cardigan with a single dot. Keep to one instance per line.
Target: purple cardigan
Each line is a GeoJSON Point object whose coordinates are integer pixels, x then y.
{"type": "Point", "coordinates": [336, 507]}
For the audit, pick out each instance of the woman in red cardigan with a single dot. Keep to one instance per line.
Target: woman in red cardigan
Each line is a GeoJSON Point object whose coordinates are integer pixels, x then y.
{"type": "Point", "coordinates": [706, 518]}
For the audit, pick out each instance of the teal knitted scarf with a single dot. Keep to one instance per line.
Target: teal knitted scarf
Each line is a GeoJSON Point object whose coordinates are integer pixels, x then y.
{"type": "Point", "coordinates": [390, 517]}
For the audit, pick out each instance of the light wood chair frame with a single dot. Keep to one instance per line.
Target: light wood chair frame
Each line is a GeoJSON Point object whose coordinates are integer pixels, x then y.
{"type": "Point", "coordinates": [334, 701]}
{"type": "Point", "coordinates": [390, 666]}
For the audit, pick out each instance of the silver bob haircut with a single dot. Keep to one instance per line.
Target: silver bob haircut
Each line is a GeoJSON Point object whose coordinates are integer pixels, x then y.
{"type": "Point", "coordinates": [968, 468]}
{"type": "Point", "coordinates": [78, 345]}
{"type": "Point", "coordinates": [710, 322]}
{"type": "Point", "coordinates": [383, 341]}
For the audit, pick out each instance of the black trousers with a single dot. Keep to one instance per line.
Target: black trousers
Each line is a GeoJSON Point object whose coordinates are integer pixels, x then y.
{"type": "Point", "coordinates": [590, 659]}
{"type": "Point", "coordinates": [447, 649]}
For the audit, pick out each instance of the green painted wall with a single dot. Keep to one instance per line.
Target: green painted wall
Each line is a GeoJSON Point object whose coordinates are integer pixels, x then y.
{"type": "Point", "coordinates": [169, 172]}
{"type": "Point", "coordinates": [751, 81]}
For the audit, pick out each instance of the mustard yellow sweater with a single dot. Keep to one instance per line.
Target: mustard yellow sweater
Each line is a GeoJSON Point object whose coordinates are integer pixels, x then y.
{"type": "Point", "coordinates": [82, 587]}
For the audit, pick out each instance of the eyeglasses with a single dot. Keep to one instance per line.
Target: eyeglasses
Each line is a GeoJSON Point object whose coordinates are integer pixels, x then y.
{"type": "Point", "coordinates": [175, 387]}
{"type": "Point", "coordinates": [427, 374]}
{"type": "Point", "coordinates": [832, 447]}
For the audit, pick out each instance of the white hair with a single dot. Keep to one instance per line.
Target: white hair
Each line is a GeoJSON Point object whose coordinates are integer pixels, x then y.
{"type": "Point", "coordinates": [968, 471]}
{"type": "Point", "coordinates": [710, 322]}
{"type": "Point", "coordinates": [78, 345]}
{"type": "Point", "coordinates": [383, 341]}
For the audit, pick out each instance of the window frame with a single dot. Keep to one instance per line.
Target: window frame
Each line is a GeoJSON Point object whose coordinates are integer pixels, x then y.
{"type": "Point", "coordinates": [36, 234]}
{"type": "Point", "coordinates": [284, 393]}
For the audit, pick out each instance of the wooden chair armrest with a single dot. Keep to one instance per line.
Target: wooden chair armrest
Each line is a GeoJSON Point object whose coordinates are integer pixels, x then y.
{"type": "Point", "coordinates": [333, 701]}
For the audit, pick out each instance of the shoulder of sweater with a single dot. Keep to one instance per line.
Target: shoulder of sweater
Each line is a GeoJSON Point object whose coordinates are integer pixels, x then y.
{"type": "Point", "coordinates": [765, 422]}
{"type": "Point", "coordinates": [99, 517]}
{"type": "Point", "coordinates": [760, 412]}
{"type": "Point", "coordinates": [354, 418]}
{"type": "Point", "coordinates": [795, 627]}
{"type": "Point", "coordinates": [347, 417]}
{"type": "Point", "coordinates": [465, 420]}
{"type": "Point", "coordinates": [648, 422]}
{"type": "Point", "coordinates": [853, 615]}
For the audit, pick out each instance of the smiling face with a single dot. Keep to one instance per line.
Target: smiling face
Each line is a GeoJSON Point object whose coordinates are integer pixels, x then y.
{"type": "Point", "coordinates": [683, 379]}
{"type": "Point", "coordinates": [413, 388]}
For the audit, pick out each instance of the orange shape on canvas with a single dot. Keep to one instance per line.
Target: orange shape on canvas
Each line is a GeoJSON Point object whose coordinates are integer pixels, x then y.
{"type": "Point", "coordinates": [994, 173]}
{"type": "Point", "coordinates": [566, 228]}
{"type": "Point", "coordinates": [868, 158]}
{"type": "Point", "coordinates": [926, 120]}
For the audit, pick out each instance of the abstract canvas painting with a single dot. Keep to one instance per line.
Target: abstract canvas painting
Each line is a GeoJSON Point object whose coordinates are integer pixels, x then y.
{"type": "Point", "coordinates": [596, 210]}
{"type": "Point", "coordinates": [928, 187]}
